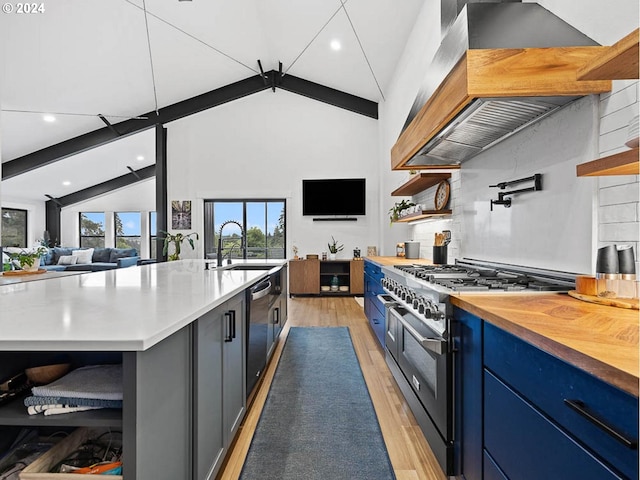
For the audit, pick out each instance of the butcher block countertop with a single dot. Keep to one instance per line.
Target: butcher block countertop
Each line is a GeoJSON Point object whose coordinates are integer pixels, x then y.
{"type": "Point", "coordinates": [599, 339]}
{"type": "Point", "coordinates": [390, 261]}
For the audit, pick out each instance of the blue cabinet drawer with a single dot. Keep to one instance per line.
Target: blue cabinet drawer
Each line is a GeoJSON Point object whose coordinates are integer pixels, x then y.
{"type": "Point", "coordinates": [372, 269]}
{"type": "Point", "coordinates": [550, 384]}
{"type": "Point", "coordinates": [527, 446]}
{"type": "Point", "coordinates": [377, 322]}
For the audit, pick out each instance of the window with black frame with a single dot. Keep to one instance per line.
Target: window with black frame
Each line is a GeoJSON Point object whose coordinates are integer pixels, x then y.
{"type": "Point", "coordinates": [263, 232]}
{"type": "Point", "coordinates": [153, 234]}
{"type": "Point", "coordinates": [14, 228]}
{"type": "Point", "coordinates": [128, 230]}
{"type": "Point", "coordinates": [92, 229]}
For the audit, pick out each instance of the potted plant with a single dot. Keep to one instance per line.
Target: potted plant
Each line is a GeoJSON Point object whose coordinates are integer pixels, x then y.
{"type": "Point", "coordinates": [295, 252]}
{"type": "Point", "coordinates": [394, 212]}
{"type": "Point", "coordinates": [334, 248]}
{"type": "Point", "coordinates": [28, 260]}
{"type": "Point", "coordinates": [176, 239]}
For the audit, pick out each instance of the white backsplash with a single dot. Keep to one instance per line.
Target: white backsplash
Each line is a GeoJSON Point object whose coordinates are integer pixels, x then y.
{"type": "Point", "coordinates": [618, 196]}
{"type": "Point", "coordinates": [551, 228]}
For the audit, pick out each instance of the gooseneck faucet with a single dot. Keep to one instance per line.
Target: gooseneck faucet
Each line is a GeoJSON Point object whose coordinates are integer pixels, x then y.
{"type": "Point", "coordinates": [219, 253]}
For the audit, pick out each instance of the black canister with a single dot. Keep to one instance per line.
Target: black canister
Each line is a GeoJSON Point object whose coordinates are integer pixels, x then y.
{"type": "Point", "coordinates": [440, 255]}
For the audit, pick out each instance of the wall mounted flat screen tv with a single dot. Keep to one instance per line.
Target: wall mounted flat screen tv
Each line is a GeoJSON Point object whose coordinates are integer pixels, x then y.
{"type": "Point", "coordinates": [343, 196]}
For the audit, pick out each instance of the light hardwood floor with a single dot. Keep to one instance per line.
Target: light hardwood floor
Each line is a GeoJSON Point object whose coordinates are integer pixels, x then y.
{"type": "Point", "coordinates": [409, 452]}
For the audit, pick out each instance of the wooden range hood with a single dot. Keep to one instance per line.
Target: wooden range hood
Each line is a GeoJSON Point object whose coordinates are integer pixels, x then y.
{"type": "Point", "coordinates": [489, 94]}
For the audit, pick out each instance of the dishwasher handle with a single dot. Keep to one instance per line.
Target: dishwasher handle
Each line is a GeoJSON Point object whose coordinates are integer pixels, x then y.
{"type": "Point", "coordinates": [257, 294]}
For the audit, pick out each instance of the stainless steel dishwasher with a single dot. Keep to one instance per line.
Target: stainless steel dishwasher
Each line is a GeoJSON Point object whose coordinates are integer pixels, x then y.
{"type": "Point", "coordinates": [258, 300]}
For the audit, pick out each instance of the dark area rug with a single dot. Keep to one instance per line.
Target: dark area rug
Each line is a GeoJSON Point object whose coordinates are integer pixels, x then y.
{"type": "Point", "coordinates": [318, 421]}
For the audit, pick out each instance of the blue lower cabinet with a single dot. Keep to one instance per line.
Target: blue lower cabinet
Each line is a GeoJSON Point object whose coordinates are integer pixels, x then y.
{"type": "Point", "coordinates": [527, 446]}
{"type": "Point", "coordinates": [491, 470]}
{"type": "Point", "coordinates": [377, 322]}
{"type": "Point", "coordinates": [568, 396]}
{"type": "Point", "coordinates": [373, 309]}
{"type": "Point", "coordinates": [468, 395]}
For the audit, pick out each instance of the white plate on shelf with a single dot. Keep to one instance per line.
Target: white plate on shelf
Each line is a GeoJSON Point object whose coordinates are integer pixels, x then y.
{"type": "Point", "coordinates": [344, 288]}
{"type": "Point", "coordinates": [324, 288]}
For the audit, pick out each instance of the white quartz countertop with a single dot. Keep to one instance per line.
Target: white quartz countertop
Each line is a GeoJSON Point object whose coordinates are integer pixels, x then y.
{"type": "Point", "coordinates": [127, 309]}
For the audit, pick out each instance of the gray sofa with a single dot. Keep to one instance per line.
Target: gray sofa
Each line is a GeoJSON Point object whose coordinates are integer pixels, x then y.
{"type": "Point", "coordinates": [102, 259]}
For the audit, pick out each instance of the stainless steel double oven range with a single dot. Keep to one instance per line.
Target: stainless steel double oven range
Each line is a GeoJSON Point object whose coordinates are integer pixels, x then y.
{"type": "Point", "coordinates": [420, 339]}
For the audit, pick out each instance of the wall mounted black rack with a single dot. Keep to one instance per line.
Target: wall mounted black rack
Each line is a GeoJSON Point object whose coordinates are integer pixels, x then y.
{"type": "Point", "coordinates": [506, 202]}
{"type": "Point", "coordinates": [338, 219]}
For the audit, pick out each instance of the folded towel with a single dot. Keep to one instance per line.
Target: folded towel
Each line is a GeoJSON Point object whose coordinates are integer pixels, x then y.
{"type": "Point", "coordinates": [76, 401]}
{"type": "Point", "coordinates": [93, 381]}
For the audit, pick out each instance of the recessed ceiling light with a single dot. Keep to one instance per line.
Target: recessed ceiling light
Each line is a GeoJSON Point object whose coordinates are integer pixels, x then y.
{"type": "Point", "coordinates": [140, 158]}
{"type": "Point", "coordinates": [49, 118]}
{"type": "Point", "coordinates": [66, 183]}
{"type": "Point", "coordinates": [335, 45]}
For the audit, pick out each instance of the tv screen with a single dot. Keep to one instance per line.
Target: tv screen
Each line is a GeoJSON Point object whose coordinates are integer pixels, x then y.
{"type": "Point", "coordinates": [344, 196]}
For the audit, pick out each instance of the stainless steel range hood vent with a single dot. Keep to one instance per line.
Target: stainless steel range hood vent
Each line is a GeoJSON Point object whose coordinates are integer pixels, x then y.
{"type": "Point", "coordinates": [500, 67]}
{"type": "Point", "coordinates": [482, 124]}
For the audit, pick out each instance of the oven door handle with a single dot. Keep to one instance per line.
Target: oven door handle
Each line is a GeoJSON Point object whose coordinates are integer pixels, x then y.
{"type": "Point", "coordinates": [435, 345]}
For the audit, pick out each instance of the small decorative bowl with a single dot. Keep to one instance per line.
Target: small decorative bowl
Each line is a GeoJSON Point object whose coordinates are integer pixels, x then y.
{"type": "Point", "coordinates": [47, 373]}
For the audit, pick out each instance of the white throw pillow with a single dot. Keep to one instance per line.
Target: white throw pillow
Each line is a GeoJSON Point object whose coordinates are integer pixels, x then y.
{"type": "Point", "coordinates": [67, 260]}
{"type": "Point", "coordinates": [84, 256]}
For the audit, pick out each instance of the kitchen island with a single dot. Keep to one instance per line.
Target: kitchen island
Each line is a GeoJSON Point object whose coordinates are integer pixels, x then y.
{"type": "Point", "coordinates": [167, 324]}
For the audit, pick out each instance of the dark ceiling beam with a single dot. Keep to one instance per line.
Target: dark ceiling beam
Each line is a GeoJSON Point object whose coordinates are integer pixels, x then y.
{"type": "Point", "coordinates": [185, 108]}
{"type": "Point", "coordinates": [108, 134]}
{"type": "Point", "coordinates": [106, 187]}
{"type": "Point", "coordinates": [327, 95]}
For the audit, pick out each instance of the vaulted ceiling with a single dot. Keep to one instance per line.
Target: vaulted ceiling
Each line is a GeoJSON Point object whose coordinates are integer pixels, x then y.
{"type": "Point", "coordinates": [79, 59]}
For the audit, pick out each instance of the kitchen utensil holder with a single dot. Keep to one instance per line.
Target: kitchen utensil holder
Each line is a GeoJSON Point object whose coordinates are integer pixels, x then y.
{"type": "Point", "coordinates": [440, 255]}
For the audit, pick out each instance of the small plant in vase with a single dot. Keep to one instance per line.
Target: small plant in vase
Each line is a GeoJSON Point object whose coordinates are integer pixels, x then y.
{"type": "Point", "coordinates": [295, 252]}
{"type": "Point", "coordinates": [394, 212]}
{"type": "Point", "coordinates": [29, 261]}
{"type": "Point", "coordinates": [334, 248]}
{"type": "Point", "coordinates": [176, 240]}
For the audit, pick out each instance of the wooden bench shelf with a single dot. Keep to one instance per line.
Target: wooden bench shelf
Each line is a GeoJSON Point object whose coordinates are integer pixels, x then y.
{"type": "Point", "coordinates": [623, 163]}
{"type": "Point", "coordinates": [424, 215]}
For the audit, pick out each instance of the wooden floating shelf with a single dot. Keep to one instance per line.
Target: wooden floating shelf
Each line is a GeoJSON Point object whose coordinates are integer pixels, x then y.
{"type": "Point", "coordinates": [424, 215]}
{"type": "Point", "coordinates": [617, 62]}
{"type": "Point", "coordinates": [419, 183]}
{"type": "Point", "coordinates": [623, 163]}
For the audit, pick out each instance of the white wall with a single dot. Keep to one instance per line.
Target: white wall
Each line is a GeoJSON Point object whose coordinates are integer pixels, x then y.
{"type": "Point", "coordinates": [618, 196]}
{"type": "Point", "coordinates": [555, 228]}
{"type": "Point", "coordinates": [410, 71]}
{"type": "Point", "coordinates": [262, 146]}
{"type": "Point", "coordinates": [139, 197]}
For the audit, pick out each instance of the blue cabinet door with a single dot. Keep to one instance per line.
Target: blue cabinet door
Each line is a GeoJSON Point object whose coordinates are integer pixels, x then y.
{"type": "Point", "coordinates": [527, 446]}
{"type": "Point", "coordinates": [468, 395]}
{"type": "Point", "coordinates": [373, 308]}
{"type": "Point", "coordinates": [549, 384]}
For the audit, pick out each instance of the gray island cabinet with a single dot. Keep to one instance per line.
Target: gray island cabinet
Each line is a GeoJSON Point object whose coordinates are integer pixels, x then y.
{"type": "Point", "coordinates": [178, 331]}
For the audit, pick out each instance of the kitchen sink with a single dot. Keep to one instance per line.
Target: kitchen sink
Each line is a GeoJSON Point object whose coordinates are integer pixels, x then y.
{"type": "Point", "coordinates": [249, 267]}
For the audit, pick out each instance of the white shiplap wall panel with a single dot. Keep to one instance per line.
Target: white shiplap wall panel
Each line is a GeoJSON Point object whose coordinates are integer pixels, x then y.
{"type": "Point", "coordinates": [618, 196]}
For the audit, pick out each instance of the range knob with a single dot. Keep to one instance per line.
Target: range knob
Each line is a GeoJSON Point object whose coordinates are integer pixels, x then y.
{"type": "Point", "coordinates": [421, 308]}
